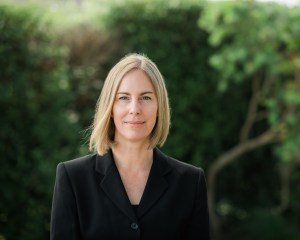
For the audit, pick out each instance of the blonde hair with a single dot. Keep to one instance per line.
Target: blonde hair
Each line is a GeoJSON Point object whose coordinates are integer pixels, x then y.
{"type": "Point", "coordinates": [103, 128]}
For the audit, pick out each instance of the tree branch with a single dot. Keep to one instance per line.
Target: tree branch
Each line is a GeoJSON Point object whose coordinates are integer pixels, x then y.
{"type": "Point", "coordinates": [287, 169]}
{"type": "Point", "coordinates": [225, 159]}
{"type": "Point", "coordinates": [252, 109]}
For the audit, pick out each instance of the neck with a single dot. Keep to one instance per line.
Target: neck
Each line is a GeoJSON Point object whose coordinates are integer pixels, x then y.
{"type": "Point", "coordinates": [132, 157]}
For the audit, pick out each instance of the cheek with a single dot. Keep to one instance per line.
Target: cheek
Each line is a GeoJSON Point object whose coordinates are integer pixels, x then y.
{"type": "Point", "coordinates": [117, 113]}
{"type": "Point", "coordinates": [153, 113]}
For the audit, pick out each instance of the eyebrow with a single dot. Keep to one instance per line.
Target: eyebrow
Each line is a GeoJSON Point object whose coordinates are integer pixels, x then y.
{"type": "Point", "coordinates": [143, 93]}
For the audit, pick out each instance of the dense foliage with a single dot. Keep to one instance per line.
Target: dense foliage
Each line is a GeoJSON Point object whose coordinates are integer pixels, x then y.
{"type": "Point", "coordinates": [36, 130]}
{"type": "Point", "coordinates": [260, 44]}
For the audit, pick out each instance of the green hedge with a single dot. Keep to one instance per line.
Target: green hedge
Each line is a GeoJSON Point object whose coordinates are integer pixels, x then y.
{"type": "Point", "coordinates": [36, 131]}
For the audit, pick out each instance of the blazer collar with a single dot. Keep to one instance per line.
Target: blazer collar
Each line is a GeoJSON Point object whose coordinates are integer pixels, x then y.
{"type": "Point", "coordinates": [112, 185]}
{"type": "Point", "coordinates": [157, 183]}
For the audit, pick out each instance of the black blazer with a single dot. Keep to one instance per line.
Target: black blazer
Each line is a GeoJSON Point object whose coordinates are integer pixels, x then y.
{"type": "Point", "coordinates": [90, 202]}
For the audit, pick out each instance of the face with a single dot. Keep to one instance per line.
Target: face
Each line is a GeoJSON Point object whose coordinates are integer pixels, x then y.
{"type": "Point", "coordinates": [135, 108]}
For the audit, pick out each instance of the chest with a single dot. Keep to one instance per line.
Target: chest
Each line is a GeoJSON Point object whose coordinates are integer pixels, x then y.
{"type": "Point", "coordinates": [134, 184]}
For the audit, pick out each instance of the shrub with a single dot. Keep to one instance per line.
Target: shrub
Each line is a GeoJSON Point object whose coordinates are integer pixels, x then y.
{"type": "Point", "coordinates": [37, 130]}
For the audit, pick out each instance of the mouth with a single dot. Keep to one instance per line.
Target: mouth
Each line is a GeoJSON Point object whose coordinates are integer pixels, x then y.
{"type": "Point", "coordinates": [134, 123]}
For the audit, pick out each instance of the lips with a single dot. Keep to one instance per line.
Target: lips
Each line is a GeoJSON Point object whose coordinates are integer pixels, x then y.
{"type": "Point", "coordinates": [135, 122]}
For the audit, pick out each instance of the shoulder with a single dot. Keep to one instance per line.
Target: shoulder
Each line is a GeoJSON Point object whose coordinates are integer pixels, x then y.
{"type": "Point", "coordinates": [77, 165]}
{"type": "Point", "coordinates": [184, 169]}
{"type": "Point", "coordinates": [178, 166]}
{"type": "Point", "coordinates": [182, 166]}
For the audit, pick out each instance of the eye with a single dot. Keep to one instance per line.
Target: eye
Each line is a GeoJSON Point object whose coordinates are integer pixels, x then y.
{"type": "Point", "coordinates": [146, 98]}
{"type": "Point", "coordinates": [123, 98]}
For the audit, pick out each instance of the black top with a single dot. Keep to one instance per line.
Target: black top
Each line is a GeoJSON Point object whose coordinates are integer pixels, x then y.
{"type": "Point", "coordinates": [90, 202]}
{"type": "Point", "coordinates": [135, 209]}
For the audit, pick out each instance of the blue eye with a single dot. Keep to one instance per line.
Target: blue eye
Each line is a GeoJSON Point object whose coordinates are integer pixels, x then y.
{"type": "Point", "coordinates": [146, 98]}
{"type": "Point", "coordinates": [123, 98]}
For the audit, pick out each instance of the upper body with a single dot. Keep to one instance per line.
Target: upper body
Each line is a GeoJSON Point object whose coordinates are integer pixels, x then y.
{"type": "Point", "coordinates": [94, 195]}
{"type": "Point", "coordinates": [90, 201]}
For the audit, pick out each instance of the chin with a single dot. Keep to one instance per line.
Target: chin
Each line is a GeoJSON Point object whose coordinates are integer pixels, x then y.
{"type": "Point", "coordinates": [135, 139]}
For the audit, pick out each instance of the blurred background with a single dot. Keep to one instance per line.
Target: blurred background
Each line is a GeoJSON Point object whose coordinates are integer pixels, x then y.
{"type": "Point", "coordinates": [232, 69]}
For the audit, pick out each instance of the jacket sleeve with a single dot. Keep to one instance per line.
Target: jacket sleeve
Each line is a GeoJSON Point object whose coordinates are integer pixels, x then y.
{"type": "Point", "coordinates": [198, 227]}
{"type": "Point", "coordinates": [64, 220]}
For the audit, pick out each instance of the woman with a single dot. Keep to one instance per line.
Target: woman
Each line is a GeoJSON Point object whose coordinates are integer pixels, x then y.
{"type": "Point", "coordinates": [129, 189]}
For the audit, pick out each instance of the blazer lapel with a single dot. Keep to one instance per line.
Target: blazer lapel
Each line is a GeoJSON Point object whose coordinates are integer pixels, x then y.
{"type": "Point", "coordinates": [112, 184]}
{"type": "Point", "coordinates": [156, 184]}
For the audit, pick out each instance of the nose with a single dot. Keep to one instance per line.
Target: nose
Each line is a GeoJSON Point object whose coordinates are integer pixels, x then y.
{"type": "Point", "coordinates": [135, 108]}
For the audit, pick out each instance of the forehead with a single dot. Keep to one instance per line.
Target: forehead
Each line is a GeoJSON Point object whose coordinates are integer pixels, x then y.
{"type": "Point", "coordinates": [136, 80]}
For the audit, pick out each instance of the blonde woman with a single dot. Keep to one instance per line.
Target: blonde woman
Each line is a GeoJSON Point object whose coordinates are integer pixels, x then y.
{"type": "Point", "coordinates": [129, 189]}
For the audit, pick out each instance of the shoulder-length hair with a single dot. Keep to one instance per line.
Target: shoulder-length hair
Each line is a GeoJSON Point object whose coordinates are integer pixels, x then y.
{"type": "Point", "coordinates": [103, 128]}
